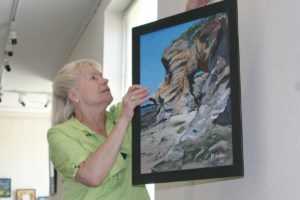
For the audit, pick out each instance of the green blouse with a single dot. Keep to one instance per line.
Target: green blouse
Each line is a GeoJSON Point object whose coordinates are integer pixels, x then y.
{"type": "Point", "coordinates": [71, 142]}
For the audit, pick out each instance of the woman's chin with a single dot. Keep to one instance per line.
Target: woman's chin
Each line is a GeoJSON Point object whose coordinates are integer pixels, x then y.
{"type": "Point", "coordinates": [110, 99]}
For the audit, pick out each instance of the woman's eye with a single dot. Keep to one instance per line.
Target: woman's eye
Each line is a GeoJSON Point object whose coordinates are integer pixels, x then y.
{"type": "Point", "coordinates": [94, 77]}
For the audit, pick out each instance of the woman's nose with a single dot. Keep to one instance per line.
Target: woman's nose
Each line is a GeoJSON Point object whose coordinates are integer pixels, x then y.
{"type": "Point", "coordinates": [104, 80]}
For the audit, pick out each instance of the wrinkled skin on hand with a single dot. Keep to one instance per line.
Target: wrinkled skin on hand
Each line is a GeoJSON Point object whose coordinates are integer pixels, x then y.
{"type": "Point", "coordinates": [135, 96]}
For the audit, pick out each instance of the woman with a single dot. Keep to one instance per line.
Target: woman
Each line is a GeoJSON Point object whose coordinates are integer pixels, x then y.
{"type": "Point", "coordinates": [89, 146]}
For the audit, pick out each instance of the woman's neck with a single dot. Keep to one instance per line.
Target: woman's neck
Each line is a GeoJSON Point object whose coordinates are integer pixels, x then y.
{"type": "Point", "coordinates": [93, 120]}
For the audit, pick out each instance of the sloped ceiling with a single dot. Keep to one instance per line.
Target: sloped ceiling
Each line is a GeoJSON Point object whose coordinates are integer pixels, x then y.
{"type": "Point", "coordinates": [46, 30]}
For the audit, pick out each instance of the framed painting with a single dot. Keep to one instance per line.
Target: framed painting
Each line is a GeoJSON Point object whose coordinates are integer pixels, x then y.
{"type": "Point", "coordinates": [52, 178]}
{"type": "Point", "coordinates": [5, 187]}
{"type": "Point", "coordinates": [43, 198]}
{"type": "Point", "coordinates": [191, 127]}
{"type": "Point", "coordinates": [25, 194]}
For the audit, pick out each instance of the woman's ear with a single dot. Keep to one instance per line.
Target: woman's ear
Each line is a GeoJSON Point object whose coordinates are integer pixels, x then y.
{"type": "Point", "coordinates": [72, 96]}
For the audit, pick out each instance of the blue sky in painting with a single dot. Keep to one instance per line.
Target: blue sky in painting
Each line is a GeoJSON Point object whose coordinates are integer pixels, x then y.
{"type": "Point", "coordinates": [152, 46]}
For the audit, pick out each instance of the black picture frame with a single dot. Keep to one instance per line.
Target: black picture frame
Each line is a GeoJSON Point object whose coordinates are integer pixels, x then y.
{"type": "Point", "coordinates": [5, 187]}
{"type": "Point", "coordinates": [191, 127]}
{"type": "Point", "coordinates": [26, 194]}
{"type": "Point", "coordinates": [52, 179]}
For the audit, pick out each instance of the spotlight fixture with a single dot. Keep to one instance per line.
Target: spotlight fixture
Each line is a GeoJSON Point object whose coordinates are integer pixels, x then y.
{"type": "Point", "coordinates": [13, 37]}
{"type": "Point", "coordinates": [1, 94]}
{"type": "Point", "coordinates": [6, 65]}
{"type": "Point", "coordinates": [29, 99]}
{"type": "Point", "coordinates": [13, 33]}
{"type": "Point", "coordinates": [21, 101]}
{"type": "Point", "coordinates": [47, 102]}
{"type": "Point", "coordinates": [8, 49]}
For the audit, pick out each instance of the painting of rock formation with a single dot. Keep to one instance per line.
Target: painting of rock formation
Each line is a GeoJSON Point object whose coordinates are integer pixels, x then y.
{"type": "Point", "coordinates": [186, 123]}
{"type": "Point", "coordinates": [190, 127]}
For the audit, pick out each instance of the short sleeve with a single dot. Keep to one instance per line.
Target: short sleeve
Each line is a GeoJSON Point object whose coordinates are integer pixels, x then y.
{"type": "Point", "coordinates": [66, 152]}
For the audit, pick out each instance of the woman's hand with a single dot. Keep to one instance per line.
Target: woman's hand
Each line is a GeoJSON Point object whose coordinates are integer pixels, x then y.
{"type": "Point", "coordinates": [192, 4]}
{"type": "Point", "coordinates": [135, 96]}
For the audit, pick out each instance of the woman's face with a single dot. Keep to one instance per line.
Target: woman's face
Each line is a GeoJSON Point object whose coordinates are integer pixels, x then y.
{"type": "Point", "coordinates": [92, 89]}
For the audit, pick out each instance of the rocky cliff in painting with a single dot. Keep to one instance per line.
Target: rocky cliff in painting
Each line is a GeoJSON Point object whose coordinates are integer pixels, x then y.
{"type": "Point", "coordinates": [187, 123]}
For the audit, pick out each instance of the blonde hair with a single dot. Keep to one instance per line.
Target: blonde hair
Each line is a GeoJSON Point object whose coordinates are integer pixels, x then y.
{"type": "Point", "coordinates": [65, 79]}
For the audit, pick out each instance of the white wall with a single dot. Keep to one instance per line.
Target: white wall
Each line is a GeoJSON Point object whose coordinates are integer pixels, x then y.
{"type": "Point", "coordinates": [102, 41]}
{"type": "Point", "coordinates": [24, 151]}
{"type": "Point", "coordinates": [269, 48]}
{"type": "Point", "coordinates": [112, 62]}
{"type": "Point", "coordinates": [88, 45]}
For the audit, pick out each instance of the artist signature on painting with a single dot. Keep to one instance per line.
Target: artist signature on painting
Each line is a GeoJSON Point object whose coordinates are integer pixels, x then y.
{"type": "Point", "coordinates": [216, 156]}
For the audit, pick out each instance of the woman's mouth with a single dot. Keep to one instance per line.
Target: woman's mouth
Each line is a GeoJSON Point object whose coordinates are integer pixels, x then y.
{"type": "Point", "coordinates": [106, 90]}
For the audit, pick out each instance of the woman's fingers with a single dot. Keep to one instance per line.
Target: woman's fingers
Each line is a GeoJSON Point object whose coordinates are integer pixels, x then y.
{"type": "Point", "coordinates": [134, 87]}
{"type": "Point", "coordinates": [139, 95]}
{"type": "Point", "coordinates": [135, 96]}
